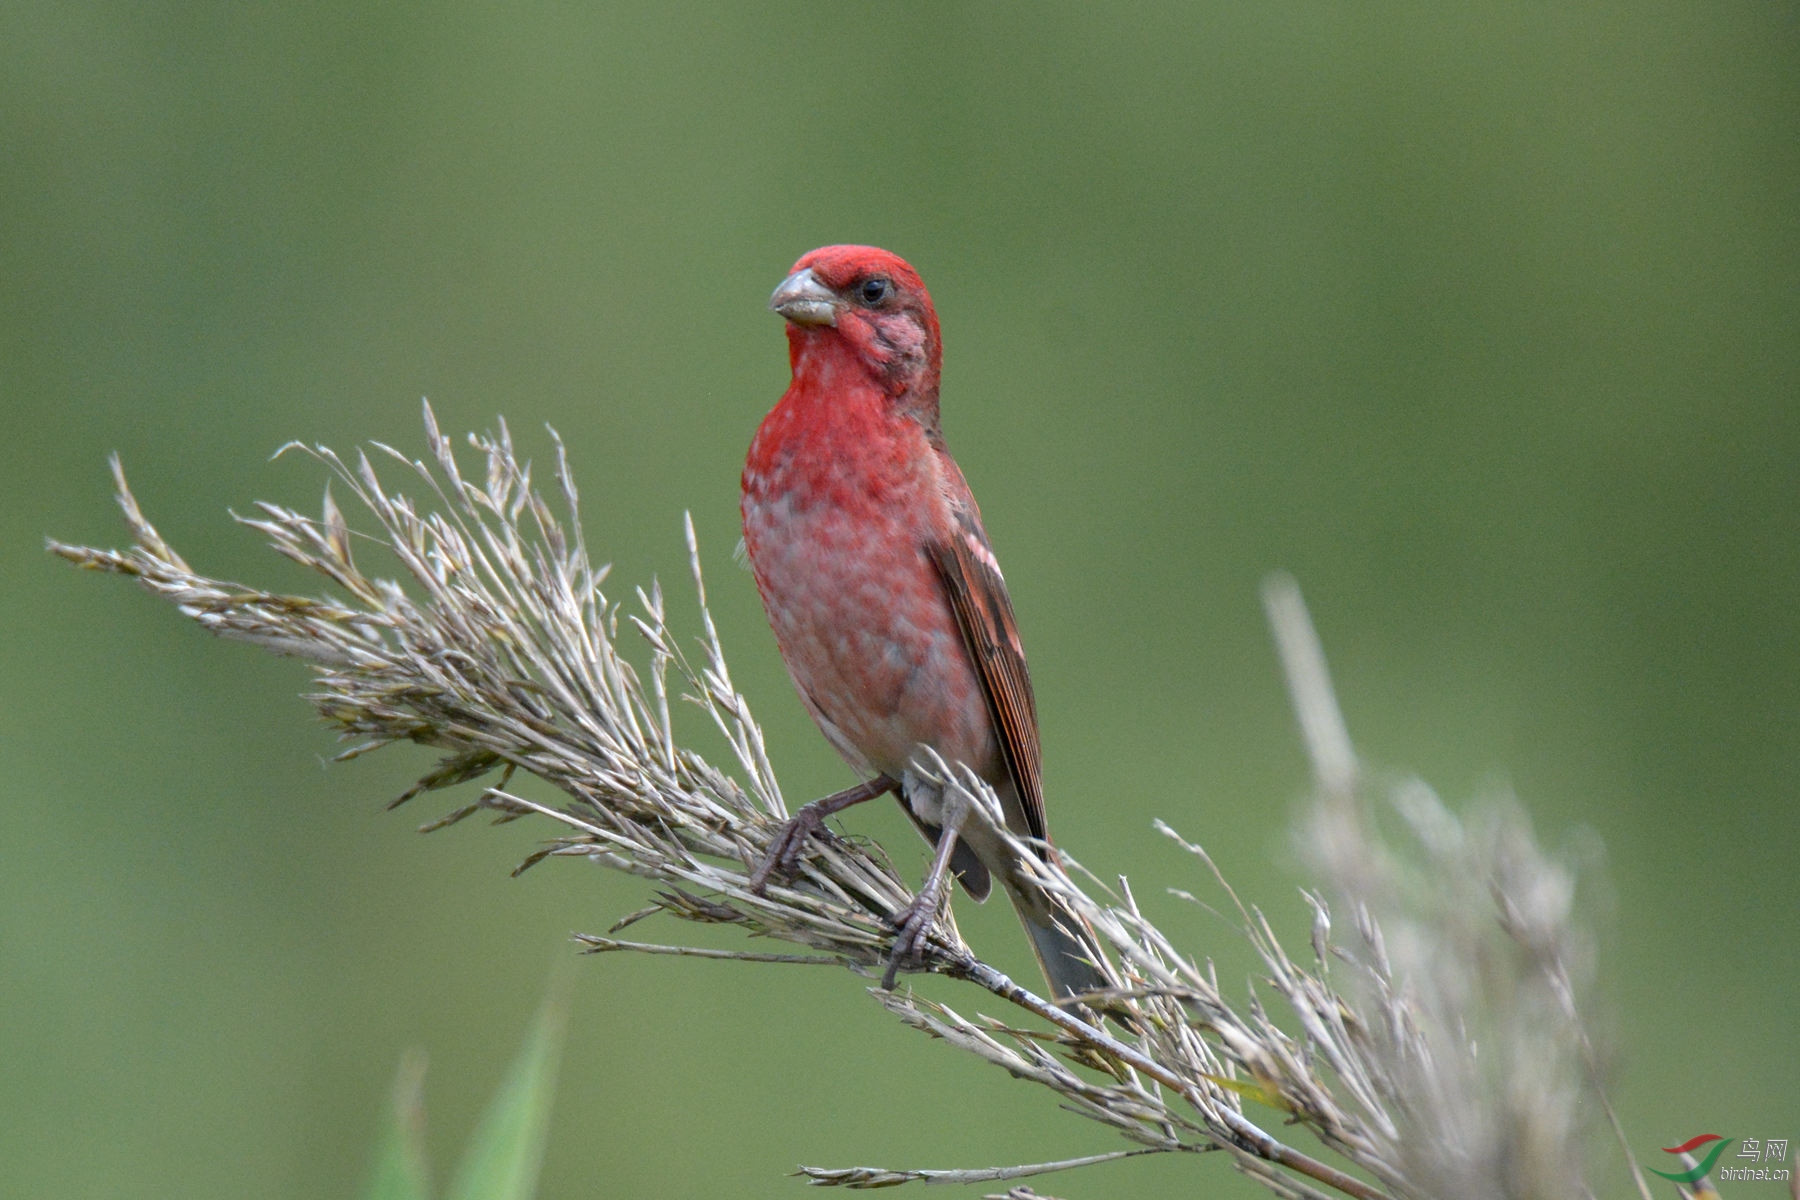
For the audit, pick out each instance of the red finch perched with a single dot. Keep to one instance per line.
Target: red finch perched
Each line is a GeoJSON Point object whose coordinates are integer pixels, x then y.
{"type": "Point", "coordinates": [887, 601]}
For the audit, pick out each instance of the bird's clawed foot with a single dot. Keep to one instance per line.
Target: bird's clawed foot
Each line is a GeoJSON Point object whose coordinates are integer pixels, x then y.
{"type": "Point", "coordinates": [913, 924]}
{"type": "Point", "coordinates": [912, 931]}
{"type": "Point", "coordinates": [783, 857]}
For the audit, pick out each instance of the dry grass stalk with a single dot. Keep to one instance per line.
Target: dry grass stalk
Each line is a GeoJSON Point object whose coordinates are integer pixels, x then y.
{"type": "Point", "coordinates": [1436, 1051]}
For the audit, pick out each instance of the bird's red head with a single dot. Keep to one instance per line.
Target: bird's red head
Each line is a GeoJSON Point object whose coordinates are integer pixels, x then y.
{"type": "Point", "coordinates": [868, 306]}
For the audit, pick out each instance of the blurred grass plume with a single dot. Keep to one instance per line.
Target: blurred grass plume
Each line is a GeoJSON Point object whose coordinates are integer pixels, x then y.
{"type": "Point", "coordinates": [1433, 1039]}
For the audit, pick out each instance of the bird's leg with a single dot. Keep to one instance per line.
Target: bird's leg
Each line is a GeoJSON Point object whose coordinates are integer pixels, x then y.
{"type": "Point", "coordinates": [783, 856]}
{"type": "Point", "coordinates": [915, 920]}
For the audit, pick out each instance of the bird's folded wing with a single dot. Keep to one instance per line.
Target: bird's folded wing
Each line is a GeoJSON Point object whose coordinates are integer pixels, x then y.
{"type": "Point", "coordinates": [972, 581]}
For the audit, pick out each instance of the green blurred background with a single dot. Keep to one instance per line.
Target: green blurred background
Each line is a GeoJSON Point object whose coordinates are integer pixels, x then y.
{"type": "Point", "coordinates": [1483, 319]}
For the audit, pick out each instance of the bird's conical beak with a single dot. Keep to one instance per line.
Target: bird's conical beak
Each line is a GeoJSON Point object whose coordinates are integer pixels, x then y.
{"type": "Point", "coordinates": [803, 300]}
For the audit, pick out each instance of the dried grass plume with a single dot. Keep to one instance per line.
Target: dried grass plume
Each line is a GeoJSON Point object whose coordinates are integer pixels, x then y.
{"type": "Point", "coordinates": [1431, 1040]}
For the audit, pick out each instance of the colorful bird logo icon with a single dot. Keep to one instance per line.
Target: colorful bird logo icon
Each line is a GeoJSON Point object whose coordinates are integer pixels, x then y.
{"type": "Point", "coordinates": [1704, 1166]}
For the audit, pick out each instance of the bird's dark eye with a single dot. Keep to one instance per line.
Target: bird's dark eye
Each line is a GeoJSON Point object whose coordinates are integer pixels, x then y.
{"type": "Point", "coordinates": [874, 291]}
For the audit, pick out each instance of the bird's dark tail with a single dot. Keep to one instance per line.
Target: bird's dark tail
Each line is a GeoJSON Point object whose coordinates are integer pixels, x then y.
{"type": "Point", "coordinates": [1066, 948]}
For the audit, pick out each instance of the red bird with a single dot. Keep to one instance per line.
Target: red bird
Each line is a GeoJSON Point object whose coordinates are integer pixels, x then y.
{"type": "Point", "coordinates": [886, 599]}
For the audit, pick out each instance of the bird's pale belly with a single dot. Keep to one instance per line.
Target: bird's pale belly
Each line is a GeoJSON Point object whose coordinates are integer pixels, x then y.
{"type": "Point", "coordinates": [868, 637]}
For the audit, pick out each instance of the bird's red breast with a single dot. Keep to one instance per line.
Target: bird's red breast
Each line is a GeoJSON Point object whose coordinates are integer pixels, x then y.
{"type": "Point", "coordinates": [846, 486]}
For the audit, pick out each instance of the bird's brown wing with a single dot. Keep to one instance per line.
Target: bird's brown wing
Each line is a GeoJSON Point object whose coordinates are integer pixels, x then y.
{"type": "Point", "coordinates": [971, 576]}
